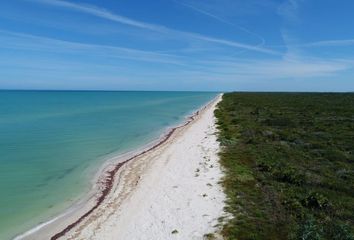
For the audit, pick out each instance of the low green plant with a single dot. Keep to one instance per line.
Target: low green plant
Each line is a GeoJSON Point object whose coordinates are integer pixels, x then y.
{"type": "Point", "coordinates": [289, 165]}
{"type": "Point", "coordinates": [209, 236]}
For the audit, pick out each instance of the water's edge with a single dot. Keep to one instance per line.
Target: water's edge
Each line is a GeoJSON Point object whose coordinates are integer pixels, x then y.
{"type": "Point", "coordinates": [102, 181]}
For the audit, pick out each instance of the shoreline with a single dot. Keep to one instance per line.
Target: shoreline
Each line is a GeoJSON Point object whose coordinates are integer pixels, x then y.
{"type": "Point", "coordinates": [102, 185]}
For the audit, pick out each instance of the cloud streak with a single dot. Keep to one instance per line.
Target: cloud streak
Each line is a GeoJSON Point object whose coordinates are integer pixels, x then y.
{"type": "Point", "coordinates": [101, 13]}
{"type": "Point", "coordinates": [105, 14]}
{"type": "Point", "coordinates": [222, 20]}
{"type": "Point", "coordinates": [220, 67]}
{"type": "Point", "coordinates": [197, 64]}
{"type": "Point", "coordinates": [331, 43]}
{"type": "Point", "coordinates": [288, 10]}
{"type": "Point", "coordinates": [21, 41]}
{"type": "Point", "coordinates": [324, 43]}
{"type": "Point", "coordinates": [278, 69]}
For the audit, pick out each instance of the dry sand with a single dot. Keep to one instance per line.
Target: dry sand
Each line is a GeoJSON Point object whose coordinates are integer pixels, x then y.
{"type": "Point", "coordinates": [169, 192]}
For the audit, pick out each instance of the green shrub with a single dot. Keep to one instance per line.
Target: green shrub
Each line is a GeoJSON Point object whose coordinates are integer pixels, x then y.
{"type": "Point", "coordinates": [289, 165]}
{"type": "Point", "coordinates": [289, 175]}
{"type": "Point", "coordinates": [339, 231]}
{"type": "Point", "coordinates": [316, 200]}
{"type": "Point", "coordinates": [310, 230]}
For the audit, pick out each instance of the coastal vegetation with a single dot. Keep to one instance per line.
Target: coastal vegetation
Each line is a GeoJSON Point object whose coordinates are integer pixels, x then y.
{"type": "Point", "coordinates": [289, 165]}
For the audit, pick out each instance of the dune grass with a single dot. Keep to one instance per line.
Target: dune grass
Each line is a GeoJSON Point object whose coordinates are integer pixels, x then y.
{"type": "Point", "coordinates": [289, 165]}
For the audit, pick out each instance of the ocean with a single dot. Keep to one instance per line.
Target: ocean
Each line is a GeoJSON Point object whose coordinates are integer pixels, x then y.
{"type": "Point", "coordinates": [53, 142]}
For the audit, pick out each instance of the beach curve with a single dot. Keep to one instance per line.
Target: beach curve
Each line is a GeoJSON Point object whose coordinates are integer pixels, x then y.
{"type": "Point", "coordinates": [110, 181]}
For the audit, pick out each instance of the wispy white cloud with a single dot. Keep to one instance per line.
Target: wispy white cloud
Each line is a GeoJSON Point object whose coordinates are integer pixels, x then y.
{"type": "Point", "coordinates": [258, 74]}
{"type": "Point", "coordinates": [279, 69]}
{"type": "Point", "coordinates": [235, 44]}
{"type": "Point", "coordinates": [102, 13]}
{"type": "Point", "coordinates": [14, 40]}
{"type": "Point", "coordinates": [222, 20]}
{"type": "Point", "coordinates": [200, 64]}
{"type": "Point", "coordinates": [105, 14]}
{"type": "Point", "coordinates": [330, 43]}
{"type": "Point", "coordinates": [234, 8]}
{"type": "Point", "coordinates": [221, 68]}
{"type": "Point", "coordinates": [204, 12]}
{"type": "Point", "coordinates": [288, 10]}
{"type": "Point", "coordinates": [323, 43]}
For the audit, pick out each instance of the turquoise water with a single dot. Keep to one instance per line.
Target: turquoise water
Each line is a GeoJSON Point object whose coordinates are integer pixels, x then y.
{"type": "Point", "coordinates": [52, 142]}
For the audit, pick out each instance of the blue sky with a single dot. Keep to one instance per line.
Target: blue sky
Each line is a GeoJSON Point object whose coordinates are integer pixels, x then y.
{"type": "Point", "coordinates": [217, 45]}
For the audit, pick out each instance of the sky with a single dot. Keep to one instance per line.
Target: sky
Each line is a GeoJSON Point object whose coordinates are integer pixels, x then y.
{"type": "Point", "coordinates": [194, 45]}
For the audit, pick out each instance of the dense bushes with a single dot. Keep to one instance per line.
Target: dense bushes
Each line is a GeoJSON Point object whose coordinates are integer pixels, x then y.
{"type": "Point", "coordinates": [289, 165]}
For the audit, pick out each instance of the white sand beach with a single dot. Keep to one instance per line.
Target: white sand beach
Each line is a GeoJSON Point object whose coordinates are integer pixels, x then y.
{"type": "Point", "coordinates": [169, 192]}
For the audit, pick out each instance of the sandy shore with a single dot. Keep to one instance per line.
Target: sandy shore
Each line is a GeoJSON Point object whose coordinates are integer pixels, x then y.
{"type": "Point", "coordinates": [168, 191]}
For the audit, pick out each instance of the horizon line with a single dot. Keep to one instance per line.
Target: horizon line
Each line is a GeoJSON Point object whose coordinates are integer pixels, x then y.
{"type": "Point", "coordinates": [197, 91]}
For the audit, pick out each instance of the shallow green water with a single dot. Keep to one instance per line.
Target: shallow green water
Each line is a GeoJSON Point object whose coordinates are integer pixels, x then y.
{"type": "Point", "coordinates": [52, 142]}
